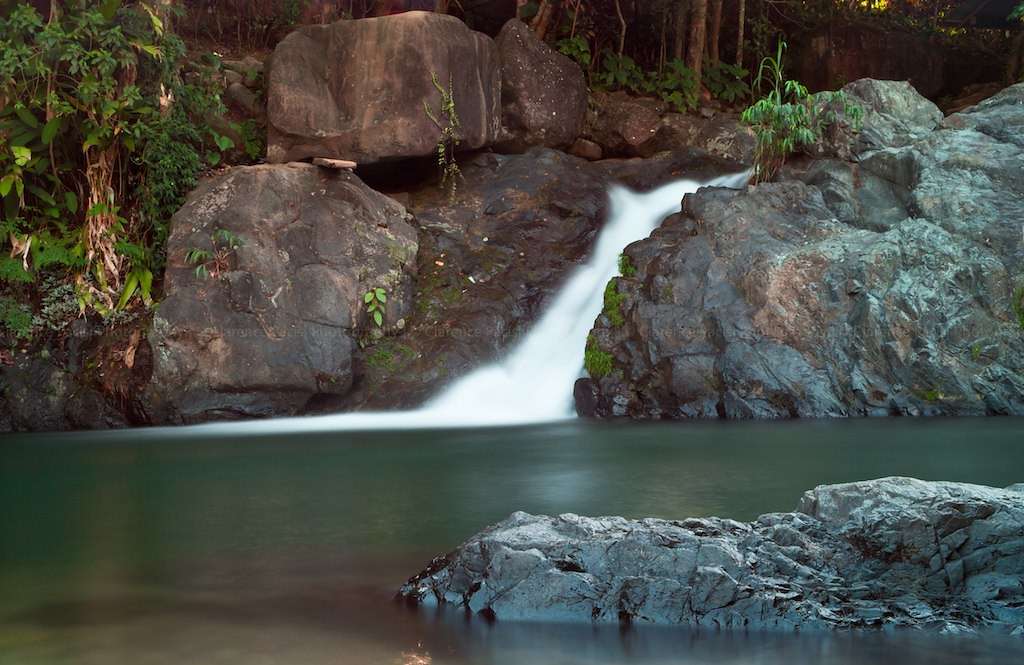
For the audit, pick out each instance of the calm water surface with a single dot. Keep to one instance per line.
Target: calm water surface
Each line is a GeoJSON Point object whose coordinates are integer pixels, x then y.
{"type": "Point", "coordinates": [157, 547]}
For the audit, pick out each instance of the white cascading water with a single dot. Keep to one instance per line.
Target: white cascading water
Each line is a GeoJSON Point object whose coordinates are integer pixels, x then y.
{"type": "Point", "coordinates": [534, 382]}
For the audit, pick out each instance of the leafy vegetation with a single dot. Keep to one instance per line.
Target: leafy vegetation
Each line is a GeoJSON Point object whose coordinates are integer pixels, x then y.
{"type": "Point", "coordinates": [598, 363]}
{"type": "Point", "coordinates": [449, 140]}
{"type": "Point", "coordinates": [788, 117]}
{"type": "Point", "coordinates": [99, 141]}
{"type": "Point", "coordinates": [578, 48]}
{"type": "Point", "coordinates": [376, 300]}
{"type": "Point", "coordinates": [727, 82]}
{"type": "Point", "coordinates": [613, 303]}
{"type": "Point", "coordinates": [626, 267]}
{"type": "Point", "coordinates": [215, 261]}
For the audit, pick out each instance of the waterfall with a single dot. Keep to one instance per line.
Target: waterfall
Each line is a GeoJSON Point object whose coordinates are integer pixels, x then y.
{"type": "Point", "coordinates": [534, 382]}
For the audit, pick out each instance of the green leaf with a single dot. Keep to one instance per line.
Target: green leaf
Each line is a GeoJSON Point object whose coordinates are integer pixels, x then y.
{"type": "Point", "coordinates": [368, 297]}
{"type": "Point", "coordinates": [378, 318]}
{"type": "Point", "coordinates": [146, 286]}
{"type": "Point", "coordinates": [381, 296]}
{"type": "Point", "coordinates": [50, 130]}
{"type": "Point", "coordinates": [213, 158]}
{"type": "Point", "coordinates": [26, 117]}
{"type": "Point", "coordinates": [6, 183]}
{"type": "Point", "coordinates": [109, 9]}
{"type": "Point", "coordinates": [224, 143]}
{"type": "Point", "coordinates": [130, 286]}
{"type": "Point", "coordinates": [22, 155]}
{"type": "Point", "coordinates": [71, 202]}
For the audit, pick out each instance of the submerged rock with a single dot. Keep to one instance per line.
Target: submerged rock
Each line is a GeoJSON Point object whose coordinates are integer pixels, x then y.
{"type": "Point", "coordinates": [356, 89]}
{"type": "Point", "coordinates": [894, 552]}
{"type": "Point", "coordinates": [882, 286]}
{"type": "Point", "coordinates": [268, 314]}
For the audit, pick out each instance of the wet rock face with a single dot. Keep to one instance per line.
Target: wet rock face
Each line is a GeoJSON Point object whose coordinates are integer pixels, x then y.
{"type": "Point", "coordinates": [488, 260]}
{"type": "Point", "coordinates": [356, 89]}
{"type": "Point", "coordinates": [894, 552]}
{"type": "Point", "coordinates": [272, 317]}
{"type": "Point", "coordinates": [543, 93]}
{"type": "Point", "coordinates": [882, 286]}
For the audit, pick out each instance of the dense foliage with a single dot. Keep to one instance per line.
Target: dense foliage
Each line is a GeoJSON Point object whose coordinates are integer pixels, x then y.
{"type": "Point", "coordinates": [101, 136]}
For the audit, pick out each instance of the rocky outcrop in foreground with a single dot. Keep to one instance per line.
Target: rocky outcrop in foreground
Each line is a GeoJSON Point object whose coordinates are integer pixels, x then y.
{"type": "Point", "coordinates": [883, 279]}
{"type": "Point", "coordinates": [888, 553]}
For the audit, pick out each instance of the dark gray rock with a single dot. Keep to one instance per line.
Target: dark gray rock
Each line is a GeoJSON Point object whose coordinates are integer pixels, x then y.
{"type": "Point", "coordinates": [894, 552]}
{"type": "Point", "coordinates": [543, 93]}
{"type": "Point", "coordinates": [883, 286]}
{"type": "Point", "coordinates": [275, 321]}
{"type": "Point", "coordinates": [893, 115]}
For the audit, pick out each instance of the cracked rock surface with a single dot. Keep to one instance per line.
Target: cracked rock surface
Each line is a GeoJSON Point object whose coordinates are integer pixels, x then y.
{"type": "Point", "coordinates": [887, 285]}
{"type": "Point", "coordinates": [887, 553]}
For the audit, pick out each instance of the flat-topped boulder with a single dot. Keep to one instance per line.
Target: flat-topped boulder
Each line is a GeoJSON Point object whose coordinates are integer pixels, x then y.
{"type": "Point", "coordinates": [888, 553]}
{"type": "Point", "coordinates": [356, 90]}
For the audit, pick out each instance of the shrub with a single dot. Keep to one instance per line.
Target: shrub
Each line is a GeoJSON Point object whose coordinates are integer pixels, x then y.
{"type": "Point", "coordinates": [98, 144]}
{"type": "Point", "coordinates": [788, 117]}
{"type": "Point", "coordinates": [726, 82]}
{"type": "Point", "coordinates": [578, 49]}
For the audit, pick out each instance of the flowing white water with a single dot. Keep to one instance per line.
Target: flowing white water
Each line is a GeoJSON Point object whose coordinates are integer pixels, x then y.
{"type": "Point", "coordinates": [534, 382]}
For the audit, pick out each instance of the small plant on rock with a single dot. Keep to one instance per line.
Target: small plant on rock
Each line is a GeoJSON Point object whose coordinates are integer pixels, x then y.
{"type": "Point", "coordinates": [598, 363]}
{"type": "Point", "coordinates": [626, 267]}
{"type": "Point", "coordinates": [212, 263]}
{"type": "Point", "coordinates": [376, 302]}
{"type": "Point", "coordinates": [449, 140]}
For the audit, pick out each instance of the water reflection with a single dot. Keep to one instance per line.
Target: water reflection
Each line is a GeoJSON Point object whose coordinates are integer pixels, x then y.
{"type": "Point", "coordinates": [288, 550]}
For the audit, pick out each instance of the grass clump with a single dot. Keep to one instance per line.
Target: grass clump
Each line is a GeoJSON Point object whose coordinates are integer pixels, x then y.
{"type": "Point", "coordinates": [613, 303]}
{"type": "Point", "coordinates": [598, 363]}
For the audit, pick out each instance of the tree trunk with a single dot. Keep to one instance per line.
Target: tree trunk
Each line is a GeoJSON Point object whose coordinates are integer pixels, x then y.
{"type": "Point", "coordinates": [698, 33]}
{"type": "Point", "coordinates": [622, 23]}
{"type": "Point", "coordinates": [682, 9]}
{"type": "Point", "coordinates": [715, 29]}
{"type": "Point", "coordinates": [542, 21]}
{"type": "Point", "coordinates": [441, 6]}
{"type": "Point", "coordinates": [739, 32]}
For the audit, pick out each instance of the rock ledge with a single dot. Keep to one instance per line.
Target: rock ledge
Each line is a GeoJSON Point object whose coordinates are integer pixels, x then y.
{"type": "Point", "coordinates": [888, 553]}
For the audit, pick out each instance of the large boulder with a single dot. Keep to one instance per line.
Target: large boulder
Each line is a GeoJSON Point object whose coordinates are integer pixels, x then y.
{"type": "Point", "coordinates": [893, 114]}
{"type": "Point", "coordinates": [888, 553]}
{"type": "Point", "coordinates": [357, 89]}
{"type": "Point", "coordinates": [886, 286]}
{"type": "Point", "coordinates": [627, 126]}
{"type": "Point", "coordinates": [269, 316]}
{"type": "Point", "coordinates": [543, 93]}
